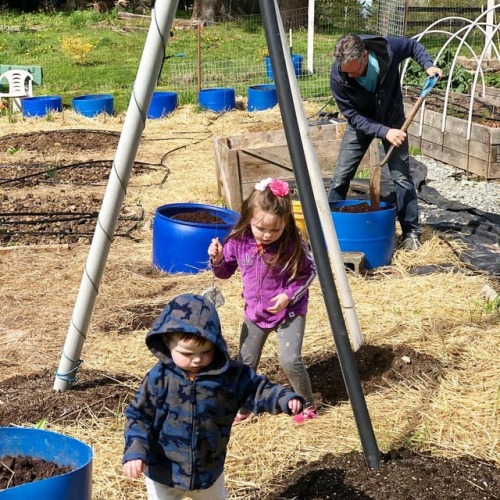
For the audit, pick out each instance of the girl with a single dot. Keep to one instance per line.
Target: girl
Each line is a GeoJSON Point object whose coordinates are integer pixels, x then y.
{"type": "Point", "coordinates": [276, 271]}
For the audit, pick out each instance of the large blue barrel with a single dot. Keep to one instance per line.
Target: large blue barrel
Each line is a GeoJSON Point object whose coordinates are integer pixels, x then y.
{"type": "Point", "coordinates": [91, 105]}
{"type": "Point", "coordinates": [297, 60]}
{"type": "Point", "coordinates": [217, 99]}
{"type": "Point", "coordinates": [373, 233]}
{"type": "Point", "coordinates": [63, 450]}
{"type": "Point", "coordinates": [262, 97]}
{"type": "Point", "coordinates": [41, 105]}
{"type": "Point", "coordinates": [180, 246]}
{"type": "Point", "coordinates": [162, 104]}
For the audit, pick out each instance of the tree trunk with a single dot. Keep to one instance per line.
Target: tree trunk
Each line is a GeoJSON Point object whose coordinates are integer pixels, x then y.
{"type": "Point", "coordinates": [205, 10]}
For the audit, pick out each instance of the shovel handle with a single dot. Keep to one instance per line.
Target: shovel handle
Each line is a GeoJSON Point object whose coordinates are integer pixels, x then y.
{"type": "Point", "coordinates": [404, 128]}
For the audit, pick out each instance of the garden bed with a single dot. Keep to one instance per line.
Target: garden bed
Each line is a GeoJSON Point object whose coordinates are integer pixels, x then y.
{"type": "Point", "coordinates": [480, 155]}
{"type": "Point", "coordinates": [243, 160]}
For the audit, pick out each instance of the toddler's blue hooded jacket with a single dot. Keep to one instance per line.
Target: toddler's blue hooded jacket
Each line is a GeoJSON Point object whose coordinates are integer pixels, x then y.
{"type": "Point", "coordinates": [181, 427]}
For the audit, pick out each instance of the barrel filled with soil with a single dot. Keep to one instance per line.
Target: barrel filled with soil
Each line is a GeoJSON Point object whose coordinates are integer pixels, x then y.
{"type": "Point", "coordinates": [360, 229]}
{"type": "Point", "coordinates": [182, 233]}
{"type": "Point", "coordinates": [52, 466]}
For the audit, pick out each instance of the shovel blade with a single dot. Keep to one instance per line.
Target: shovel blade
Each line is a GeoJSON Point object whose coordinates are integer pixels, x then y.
{"type": "Point", "coordinates": [375, 187]}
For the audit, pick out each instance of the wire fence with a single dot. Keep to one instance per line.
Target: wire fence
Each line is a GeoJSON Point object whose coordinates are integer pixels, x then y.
{"type": "Point", "coordinates": [187, 74]}
{"type": "Point", "coordinates": [331, 19]}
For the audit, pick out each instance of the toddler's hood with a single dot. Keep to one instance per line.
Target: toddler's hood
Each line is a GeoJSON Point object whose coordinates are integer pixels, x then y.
{"type": "Point", "coordinates": [187, 313]}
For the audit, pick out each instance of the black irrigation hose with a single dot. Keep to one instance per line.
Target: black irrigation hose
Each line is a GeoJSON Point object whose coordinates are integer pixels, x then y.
{"type": "Point", "coordinates": [87, 164]}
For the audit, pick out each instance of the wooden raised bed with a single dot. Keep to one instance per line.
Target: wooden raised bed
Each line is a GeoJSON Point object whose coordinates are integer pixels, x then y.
{"type": "Point", "coordinates": [243, 160]}
{"type": "Point", "coordinates": [480, 155]}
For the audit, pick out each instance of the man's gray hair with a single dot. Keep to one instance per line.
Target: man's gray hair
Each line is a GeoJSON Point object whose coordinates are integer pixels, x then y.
{"type": "Point", "coordinates": [349, 48]}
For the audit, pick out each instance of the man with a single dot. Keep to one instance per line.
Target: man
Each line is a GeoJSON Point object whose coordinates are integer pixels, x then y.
{"type": "Point", "coordinates": [365, 82]}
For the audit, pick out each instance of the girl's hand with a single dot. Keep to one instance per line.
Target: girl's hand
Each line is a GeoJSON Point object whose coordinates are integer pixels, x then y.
{"type": "Point", "coordinates": [281, 302]}
{"type": "Point", "coordinates": [295, 406]}
{"type": "Point", "coordinates": [215, 251]}
{"type": "Point", "coordinates": [133, 468]}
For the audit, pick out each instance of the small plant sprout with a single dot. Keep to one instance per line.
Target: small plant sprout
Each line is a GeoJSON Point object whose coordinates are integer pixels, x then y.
{"type": "Point", "coordinates": [41, 424]}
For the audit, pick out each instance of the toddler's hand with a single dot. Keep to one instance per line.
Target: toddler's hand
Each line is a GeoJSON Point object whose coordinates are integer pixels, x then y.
{"type": "Point", "coordinates": [215, 251]}
{"type": "Point", "coordinates": [295, 405]}
{"type": "Point", "coordinates": [133, 468]}
{"type": "Point", "coordinates": [281, 301]}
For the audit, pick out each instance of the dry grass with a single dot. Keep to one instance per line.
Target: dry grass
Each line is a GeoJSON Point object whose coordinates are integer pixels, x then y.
{"type": "Point", "coordinates": [441, 314]}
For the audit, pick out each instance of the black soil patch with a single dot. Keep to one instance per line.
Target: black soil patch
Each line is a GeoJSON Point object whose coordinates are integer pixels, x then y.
{"type": "Point", "coordinates": [357, 208]}
{"type": "Point", "coordinates": [62, 218]}
{"type": "Point", "coordinates": [378, 367]}
{"type": "Point", "coordinates": [135, 317]}
{"type": "Point", "coordinates": [67, 142]}
{"type": "Point", "coordinates": [96, 394]}
{"type": "Point", "coordinates": [93, 173]}
{"type": "Point", "coordinates": [15, 471]}
{"type": "Point", "coordinates": [403, 475]}
{"type": "Point", "coordinates": [198, 217]}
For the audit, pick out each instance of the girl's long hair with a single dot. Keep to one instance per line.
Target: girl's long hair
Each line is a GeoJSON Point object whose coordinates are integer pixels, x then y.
{"type": "Point", "coordinates": [280, 206]}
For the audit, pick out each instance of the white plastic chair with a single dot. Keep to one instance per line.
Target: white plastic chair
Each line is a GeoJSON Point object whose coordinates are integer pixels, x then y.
{"type": "Point", "coordinates": [20, 85]}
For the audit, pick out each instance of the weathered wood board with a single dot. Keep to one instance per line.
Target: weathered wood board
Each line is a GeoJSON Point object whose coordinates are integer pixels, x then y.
{"type": "Point", "coordinates": [480, 155]}
{"type": "Point", "coordinates": [243, 160]}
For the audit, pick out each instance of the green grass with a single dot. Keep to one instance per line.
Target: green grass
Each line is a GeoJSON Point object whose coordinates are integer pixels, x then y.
{"type": "Point", "coordinates": [231, 54]}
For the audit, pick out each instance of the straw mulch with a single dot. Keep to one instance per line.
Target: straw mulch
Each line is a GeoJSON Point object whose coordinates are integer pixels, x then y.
{"type": "Point", "coordinates": [443, 315]}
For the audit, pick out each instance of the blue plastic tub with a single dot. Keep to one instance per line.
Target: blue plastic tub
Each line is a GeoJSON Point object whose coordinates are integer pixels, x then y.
{"type": "Point", "coordinates": [373, 233]}
{"type": "Point", "coordinates": [217, 99]}
{"type": "Point", "coordinates": [262, 97]}
{"type": "Point", "coordinates": [91, 105]}
{"type": "Point", "coordinates": [296, 61]}
{"type": "Point", "coordinates": [41, 105]}
{"type": "Point", "coordinates": [52, 447]}
{"type": "Point", "coordinates": [181, 247]}
{"type": "Point", "coordinates": [162, 104]}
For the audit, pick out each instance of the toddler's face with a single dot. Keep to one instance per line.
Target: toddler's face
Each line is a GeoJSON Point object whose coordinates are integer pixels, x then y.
{"type": "Point", "coordinates": [191, 356]}
{"type": "Point", "coordinates": [266, 227]}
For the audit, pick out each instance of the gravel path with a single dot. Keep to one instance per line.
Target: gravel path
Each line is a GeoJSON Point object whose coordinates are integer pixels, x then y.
{"type": "Point", "coordinates": [456, 184]}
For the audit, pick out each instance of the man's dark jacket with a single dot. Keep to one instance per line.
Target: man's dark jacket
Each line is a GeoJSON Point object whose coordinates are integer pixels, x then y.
{"type": "Point", "coordinates": [375, 113]}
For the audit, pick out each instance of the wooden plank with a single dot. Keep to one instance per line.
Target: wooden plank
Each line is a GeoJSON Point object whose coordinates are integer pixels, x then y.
{"type": "Point", "coordinates": [494, 171]}
{"type": "Point", "coordinates": [275, 137]}
{"type": "Point", "coordinates": [433, 135]}
{"type": "Point", "coordinates": [415, 142]}
{"type": "Point", "coordinates": [231, 181]}
{"type": "Point", "coordinates": [482, 152]}
{"type": "Point", "coordinates": [266, 155]}
{"type": "Point", "coordinates": [495, 136]}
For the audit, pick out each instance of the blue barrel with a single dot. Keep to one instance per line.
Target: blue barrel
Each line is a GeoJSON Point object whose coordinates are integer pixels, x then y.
{"type": "Point", "coordinates": [297, 61]}
{"type": "Point", "coordinates": [51, 446]}
{"type": "Point", "coordinates": [373, 233]}
{"type": "Point", "coordinates": [262, 97]}
{"type": "Point", "coordinates": [181, 247]}
{"type": "Point", "coordinates": [162, 104]}
{"type": "Point", "coordinates": [41, 105]}
{"type": "Point", "coordinates": [217, 99]}
{"type": "Point", "coordinates": [91, 105]}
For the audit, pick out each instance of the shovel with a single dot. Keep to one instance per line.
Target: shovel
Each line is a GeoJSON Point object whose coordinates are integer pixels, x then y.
{"type": "Point", "coordinates": [375, 177]}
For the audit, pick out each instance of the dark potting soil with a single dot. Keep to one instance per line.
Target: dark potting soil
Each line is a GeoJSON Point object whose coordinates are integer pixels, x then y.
{"type": "Point", "coordinates": [403, 475]}
{"type": "Point", "coordinates": [15, 471]}
{"type": "Point", "coordinates": [358, 208]}
{"type": "Point", "coordinates": [200, 217]}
